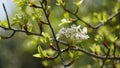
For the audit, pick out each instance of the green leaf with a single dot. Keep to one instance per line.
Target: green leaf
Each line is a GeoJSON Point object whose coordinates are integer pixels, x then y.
{"type": "Point", "coordinates": [42, 52]}
{"type": "Point", "coordinates": [30, 27]}
{"type": "Point", "coordinates": [66, 15]}
{"type": "Point", "coordinates": [50, 52]}
{"type": "Point", "coordinates": [37, 55]}
{"type": "Point", "coordinates": [47, 37]}
{"type": "Point", "coordinates": [3, 23]}
{"type": "Point", "coordinates": [71, 54]}
{"type": "Point", "coordinates": [78, 3]}
{"type": "Point", "coordinates": [61, 2]}
{"type": "Point", "coordinates": [96, 48]}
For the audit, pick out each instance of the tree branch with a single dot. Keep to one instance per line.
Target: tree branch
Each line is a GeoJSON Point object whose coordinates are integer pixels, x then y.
{"type": "Point", "coordinates": [93, 55]}
{"type": "Point", "coordinates": [52, 30]}
{"type": "Point", "coordinates": [6, 16]}
{"type": "Point", "coordinates": [90, 25]}
{"type": "Point", "coordinates": [15, 30]}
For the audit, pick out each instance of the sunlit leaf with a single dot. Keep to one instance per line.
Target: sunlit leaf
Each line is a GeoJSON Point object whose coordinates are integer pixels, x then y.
{"type": "Point", "coordinates": [41, 52]}
{"type": "Point", "coordinates": [3, 23]}
{"type": "Point", "coordinates": [78, 3]}
{"type": "Point", "coordinates": [46, 37]}
{"type": "Point", "coordinates": [96, 48]}
{"type": "Point", "coordinates": [37, 55]}
{"type": "Point", "coordinates": [50, 52]}
{"type": "Point", "coordinates": [71, 54]}
{"type": "Point", "coordinates": [66, 15]}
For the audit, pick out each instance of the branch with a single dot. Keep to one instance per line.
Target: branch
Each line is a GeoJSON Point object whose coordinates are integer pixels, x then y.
{"type": "Point", "coordinates": [114, 15]}
{"type": "Point", "coordinates": [52, 30]}
{"type": "Point", "coordinates": [114, 52]}
{"type": "Point", "coordinates": [6, 16]}
{"type": "Point", "coordinates": [15, 30]}
{"type": "Point", "coordinates": [94, 55]}
{"type": "Point", "coordinates": [105, 57]}
{"type": "Point", "coordinates": [3, 37]}
{"type": "Point", "coordinates": [90, 25]}
{"type": "Point", "coordinates": [108, 19]}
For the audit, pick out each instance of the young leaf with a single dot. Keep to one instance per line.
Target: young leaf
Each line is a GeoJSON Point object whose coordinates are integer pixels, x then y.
{"type": "Point", "coordinates": [37, 55]}
{"type": "Point", "coordinates": [66, 15]}
{"type": "Point", "coordinates": [71, 54]}
{"type": "Point", "coordinates": [78, 3]}
{"type": "Point", "coordinates": [41, 52]}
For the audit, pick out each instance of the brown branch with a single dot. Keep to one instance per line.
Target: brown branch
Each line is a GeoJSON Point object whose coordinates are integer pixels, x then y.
{"type": "Point", "coordinates": [112, 16]}
{"type": "Point", "coordinates": [90, 25]}
{"type": "Point", "coordinates": [52, 47]}
{"type": "Point", "coordinates": [52, 30]}
{"type": "Point", "coordinates": [6, 16]}
{"type": "Point", "coordinates": [15, 30]}
{"type": "Point", "coordinates": [105, 57]}
{"type": "Point", "coordinates": [70, 63]}
{"type": "Point", "coordinates": [51, 58]}
{"type": "Point", "coordinates": [3, 37]}
{"type": "Point", "coordinates": [63, 42]}
{"type": "Point", "coordinates": [78, 18]}
{"type": "Point", "coordinates": [94, 55]}
{"type": "Point", "coordinates": [114, 51]}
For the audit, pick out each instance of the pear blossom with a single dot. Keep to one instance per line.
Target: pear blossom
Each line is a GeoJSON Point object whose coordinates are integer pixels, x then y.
{"type": "Point", "coordinates": [74, 33]}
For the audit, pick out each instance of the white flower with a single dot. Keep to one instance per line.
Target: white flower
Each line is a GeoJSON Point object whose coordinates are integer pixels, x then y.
{"type": "Point", "coordinates": [61, 32]}
{"type": "Point", "coordinates": [84, 30]}
{"type": "Point", "coordinates": [75, 33]}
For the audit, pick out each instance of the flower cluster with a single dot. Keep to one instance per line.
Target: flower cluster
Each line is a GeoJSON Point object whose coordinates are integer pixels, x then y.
{"type": "Point", "coordinates": [75, 33]}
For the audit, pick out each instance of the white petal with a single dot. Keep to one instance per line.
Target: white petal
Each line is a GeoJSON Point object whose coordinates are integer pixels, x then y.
{"type": "Point", "coordinates": [84, 30]}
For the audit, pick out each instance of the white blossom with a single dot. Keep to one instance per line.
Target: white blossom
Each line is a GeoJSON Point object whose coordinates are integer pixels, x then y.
{"type": "Point", "coordinates": [74, 33]}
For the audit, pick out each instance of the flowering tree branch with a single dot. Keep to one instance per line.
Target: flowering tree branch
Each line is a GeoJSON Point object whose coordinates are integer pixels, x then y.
{"type": "Point", "coordinates": [52, 30]}
{"type": "Point", "coordinates": [74, 34]}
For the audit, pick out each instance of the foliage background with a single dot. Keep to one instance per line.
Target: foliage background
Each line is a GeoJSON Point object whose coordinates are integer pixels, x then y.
{"type": "Point", "coordinates": [17, 51]}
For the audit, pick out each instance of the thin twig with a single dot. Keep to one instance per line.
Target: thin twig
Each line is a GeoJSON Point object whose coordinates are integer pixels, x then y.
{"type": "Point", "coordinates": [3, 37]}
{"type": "Point", "coordinates": [15, 30]}
{"type": "Point", "coordinates": [112, 16]}
{"type": "Point", "coordinates": [106, 58]}
{"type": "Point", "coordinates": [88, 24]}
{"type": "Point", "coordinates": [93, 54]}
{"type": "Point", "coordinates": [52, 30]}
{"type": "Point", "coordinates": [6, 16]}
{"type": "Point", "coordinates": [114, 49]}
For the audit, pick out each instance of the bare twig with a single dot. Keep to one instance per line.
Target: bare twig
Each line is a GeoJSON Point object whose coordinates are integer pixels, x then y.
{"type": "Point", "coordinates": [105, 57]}
{"type": "Point", "coordinates": [3, 37]}
{"type": "Point", "coordinates": [112, 16]}
{"type": "Point", "coordinates": [6, 16]}
{"type": "Point", "coordinates": [114, 49]}
{"type": "Point", "coordinates": [94, 55]}
{"type": "Point", "coordinates": [15, 30]}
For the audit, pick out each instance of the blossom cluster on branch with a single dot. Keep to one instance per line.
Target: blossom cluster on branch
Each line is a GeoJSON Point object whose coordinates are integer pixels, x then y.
{"type": "Point", "coordinates": [74, 33]}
